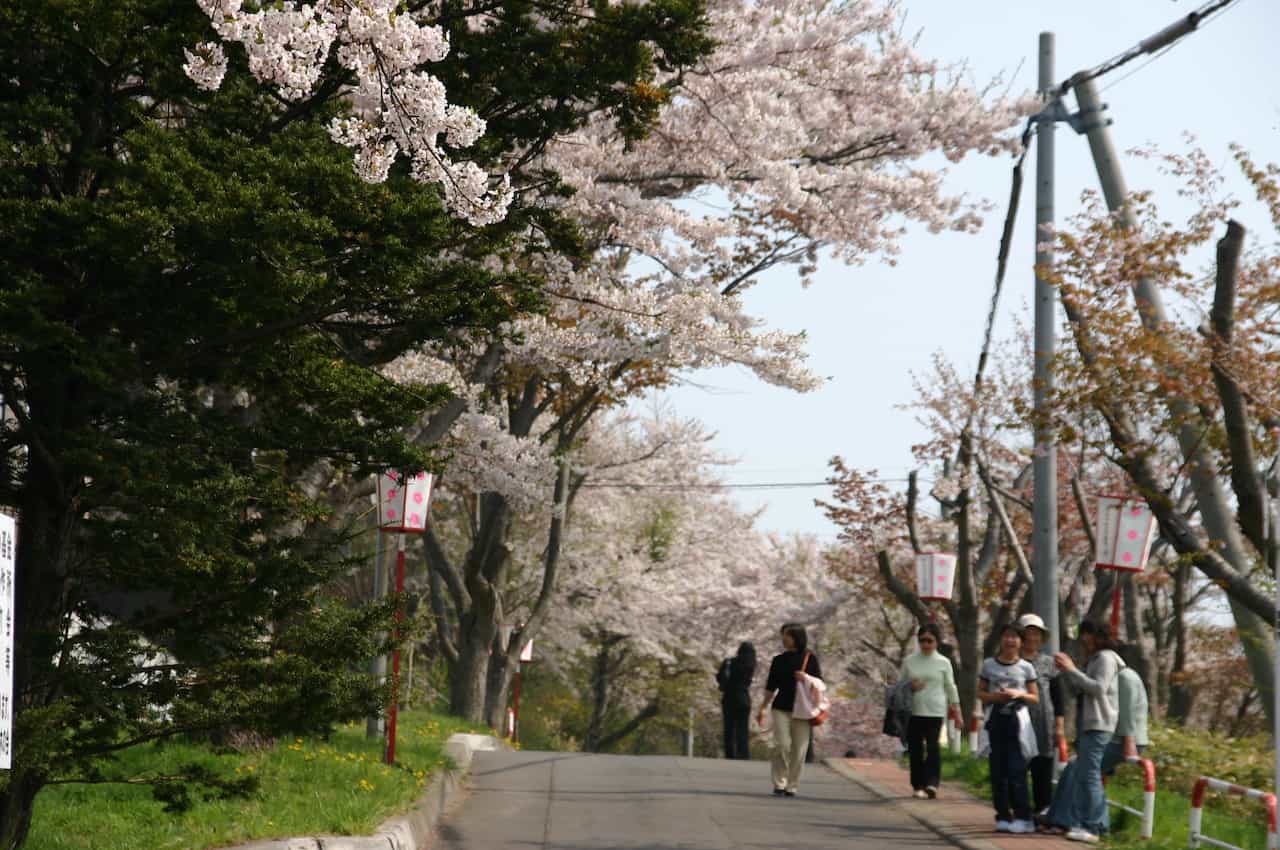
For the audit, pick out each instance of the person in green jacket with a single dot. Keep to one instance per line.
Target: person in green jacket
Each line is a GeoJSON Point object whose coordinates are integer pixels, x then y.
{"type": "Point", "coordinates": [1131, 737]}
{"type": "Point", "coordinates": [933, 683]}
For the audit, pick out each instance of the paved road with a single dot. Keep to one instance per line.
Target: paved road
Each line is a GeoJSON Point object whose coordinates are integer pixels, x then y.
{"type": "Point", "coordinates": [558, 801]}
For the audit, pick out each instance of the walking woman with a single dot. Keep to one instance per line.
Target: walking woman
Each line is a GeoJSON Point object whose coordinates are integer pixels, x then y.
{"type": "Point", "coordinates": [790, 736]}
{"type": "Point", "coordinates": [933, 682]}
{"type": "Point", "coordinates": [1007, 684]}
{"type": "Point", "coordinates": [1080, 805]}
{"type": "Point", "coordinates": [735, 677]}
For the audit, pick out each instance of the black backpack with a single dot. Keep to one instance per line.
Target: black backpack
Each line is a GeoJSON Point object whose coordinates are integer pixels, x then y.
{"type": "Point", "coordinates": [723, 674]}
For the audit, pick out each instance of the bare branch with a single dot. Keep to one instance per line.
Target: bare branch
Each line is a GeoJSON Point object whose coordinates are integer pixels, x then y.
{"type": "Point", "coordinates": [913, 496]}
{"type": "Point", "coordinates": [1010, 534]}
{"type": "Point", "coordinates": [1251, 495]}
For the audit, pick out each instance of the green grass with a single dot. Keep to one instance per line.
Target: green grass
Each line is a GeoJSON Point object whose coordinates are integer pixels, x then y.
{"type": "Point", "coordinates": [1224, 821]}
{"type": "Point", "coordinates": [308, 787]}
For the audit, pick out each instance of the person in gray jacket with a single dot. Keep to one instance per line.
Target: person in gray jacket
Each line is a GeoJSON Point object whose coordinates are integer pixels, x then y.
{"type": "Point", "coordinates": [1080, 806]}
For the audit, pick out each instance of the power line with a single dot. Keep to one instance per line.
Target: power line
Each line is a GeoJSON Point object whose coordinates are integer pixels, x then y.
{"type": "Point", "coordinates": [1155, 44]}
{"type": "Point", "coordinates": [756, 485]}
{"type": "Point", "coordinates": [1158, 44]}
{"type": "Point", "coordinates": [1154, 57]}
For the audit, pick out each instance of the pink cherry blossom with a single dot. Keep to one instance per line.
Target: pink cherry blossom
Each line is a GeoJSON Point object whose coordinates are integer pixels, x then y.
{"type": "Point", "coordinates": [395, 107]}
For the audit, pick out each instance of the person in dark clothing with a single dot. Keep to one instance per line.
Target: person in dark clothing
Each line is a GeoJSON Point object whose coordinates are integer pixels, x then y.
{"type": "Point", "coordinates": [791, 736]}
{"type": "Point", "coordinates": [735, 677]}
{"type": "Point", "coordinates": [1007, 684]}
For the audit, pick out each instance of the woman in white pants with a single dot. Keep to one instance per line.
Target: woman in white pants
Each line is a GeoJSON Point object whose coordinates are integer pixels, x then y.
{"type": "Point", "coordinates": [790, 736]}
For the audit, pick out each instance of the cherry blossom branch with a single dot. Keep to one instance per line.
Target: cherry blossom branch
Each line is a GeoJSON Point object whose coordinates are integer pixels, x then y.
{"type": "Point", "coordinates": [395, 107]}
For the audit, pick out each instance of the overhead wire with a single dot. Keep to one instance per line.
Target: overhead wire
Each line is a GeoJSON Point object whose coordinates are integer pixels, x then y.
{"type": "Point", "coordinates": [1157, 45]}
{"type": "Point", "coordinates": [1154, 44]}
{"type": "Point", "coordinates": [755, 485]}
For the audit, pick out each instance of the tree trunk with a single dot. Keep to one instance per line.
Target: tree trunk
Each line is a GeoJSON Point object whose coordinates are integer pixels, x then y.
{"type": "Point", "coordinates": [486, 569]}
{"type": "Point", "coordinates": [600, 696]}
{"type": "Point", "coordinates": [467, 680]}
{"type": "Point", "coordinates": [1137, 655]}
{"type": "Point", "coordinates": [969, 658]}
{"type": "Point", "coordinates": [42, 581]}
{"type": "Point", "coordinates": [497, 686]}
{"type": "Point", "coordinates": [16, 804]}
{"type": "Point", "coordinates": [1180, 693]}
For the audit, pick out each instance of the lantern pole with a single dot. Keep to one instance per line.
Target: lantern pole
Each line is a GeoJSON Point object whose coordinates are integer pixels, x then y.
{"type": "Point", "coordinates": [394, 711]}
{"type": "Point", "coordinates": [1116, 597]}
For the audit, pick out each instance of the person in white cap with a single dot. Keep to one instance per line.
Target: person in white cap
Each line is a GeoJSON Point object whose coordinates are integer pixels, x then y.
{"type": "Point", "coordinates": [1047, 716]}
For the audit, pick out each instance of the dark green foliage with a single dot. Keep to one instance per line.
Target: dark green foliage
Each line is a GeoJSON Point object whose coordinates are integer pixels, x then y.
{"type": "Point", "coordinates": [195, 293]}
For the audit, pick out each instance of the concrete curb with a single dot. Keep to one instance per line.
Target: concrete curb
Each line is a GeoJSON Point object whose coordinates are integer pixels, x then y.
{"type": "Point", "coordinates": [414, 830]}
{"type": "Point", "coordinates": [919, 812]}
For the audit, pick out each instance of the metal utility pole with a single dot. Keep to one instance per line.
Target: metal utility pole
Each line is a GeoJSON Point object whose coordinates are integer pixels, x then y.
{"type": "Point", "coordinates": [1044, 463]}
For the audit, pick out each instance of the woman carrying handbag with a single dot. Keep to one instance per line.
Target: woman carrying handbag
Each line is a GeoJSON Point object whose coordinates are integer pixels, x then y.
{"type": "Point", "coordinates": [791, 734]}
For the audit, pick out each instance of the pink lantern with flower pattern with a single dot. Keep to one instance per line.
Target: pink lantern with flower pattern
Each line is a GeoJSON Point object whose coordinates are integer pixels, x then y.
{"type": "Point", "coordinates": [935, 576]}
{"type": "Point", "coordinates": [1125, 531]}
{"type": "Point", "coordinates": [403, 501]}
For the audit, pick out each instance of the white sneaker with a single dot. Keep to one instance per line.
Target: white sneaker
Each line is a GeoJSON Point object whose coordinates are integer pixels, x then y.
{"type": "Point", "coordinates": [1022, 827]}
{"type": "Point", "coordinates": [1082, 836]}
{"type": "Point", "coordinates": [919, 795]}
{"type": "Point", "coordinates": [1004, 826]}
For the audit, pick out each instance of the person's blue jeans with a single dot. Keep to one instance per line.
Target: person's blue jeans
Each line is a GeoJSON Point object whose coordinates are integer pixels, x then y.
{"type": "Point", "coordinates": [1064, 798]}
{"type": "Point", "coordinates": [1081, 801]}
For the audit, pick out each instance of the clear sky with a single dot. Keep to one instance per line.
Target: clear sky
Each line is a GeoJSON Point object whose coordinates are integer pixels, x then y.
{"type": "Point", "coordinates": [871, 327]}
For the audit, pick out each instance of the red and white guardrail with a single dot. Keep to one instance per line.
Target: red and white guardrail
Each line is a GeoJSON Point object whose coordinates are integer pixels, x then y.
{"type": "Point", "coordinates": [1148, 813]}
{"type": "Point", "coordinates": [1206, 783]}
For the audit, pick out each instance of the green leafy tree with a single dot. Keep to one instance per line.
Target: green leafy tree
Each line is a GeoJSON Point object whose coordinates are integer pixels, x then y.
{"type": "Point", "coordinates": [196, 292]}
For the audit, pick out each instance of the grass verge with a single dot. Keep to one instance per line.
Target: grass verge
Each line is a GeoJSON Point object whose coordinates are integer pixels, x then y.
{"type": "Point", "coordinates": [1243, 829]}
{"type": "Point", "coordinates": [308, 787]}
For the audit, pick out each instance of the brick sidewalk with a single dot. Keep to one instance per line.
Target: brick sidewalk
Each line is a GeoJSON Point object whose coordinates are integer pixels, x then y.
{"type": "Point", "coordinates": [956, 814]}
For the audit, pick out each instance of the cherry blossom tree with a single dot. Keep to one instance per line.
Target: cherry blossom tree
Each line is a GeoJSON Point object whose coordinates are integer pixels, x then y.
{"type": "Point", "coordinates": [1185, 394]}
{"type": "Point", "coordinates": [664, 575]}
{"type": "Point", "coordinates": [800, 134]}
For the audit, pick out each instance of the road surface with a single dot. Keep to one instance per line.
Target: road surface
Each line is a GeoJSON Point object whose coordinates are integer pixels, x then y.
{"type": "Point", "coordinates": [561, 801]}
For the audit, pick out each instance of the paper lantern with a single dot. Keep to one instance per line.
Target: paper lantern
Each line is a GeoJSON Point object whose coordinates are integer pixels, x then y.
{"type": "Point", "coordinates": [1125, 532]}
{"type": "Point", "coordinates": [935, 576]}
{"type": "Point", "coordinates": [403, 501]}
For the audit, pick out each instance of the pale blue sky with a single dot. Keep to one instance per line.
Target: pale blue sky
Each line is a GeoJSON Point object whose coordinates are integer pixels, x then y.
{"type": "Point", "coordinates": [870, 327]}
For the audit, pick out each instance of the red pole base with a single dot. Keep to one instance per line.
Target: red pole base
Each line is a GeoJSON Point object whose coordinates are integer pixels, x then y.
{"type": "Point", "coordinates": [1115, 611]}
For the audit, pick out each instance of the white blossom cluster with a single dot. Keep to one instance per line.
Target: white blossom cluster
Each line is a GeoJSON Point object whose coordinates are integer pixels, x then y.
{"type": "Point", "coordinates": [395, 106]}
{"type": "Point", "coordinates": [486, 457]}
{"type": "Point", "coordinates": [809, 118]}
{"type": "Point", "coordinates": [802, 133]}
